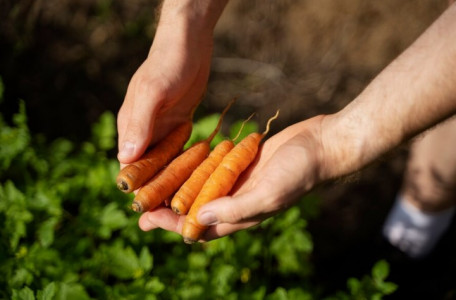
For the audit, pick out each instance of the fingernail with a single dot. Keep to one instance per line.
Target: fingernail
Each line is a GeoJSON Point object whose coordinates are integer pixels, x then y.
{"type": "Point", "coordinates": [128, 149]}
{"type": "Point", "coordinates": [207, 218]}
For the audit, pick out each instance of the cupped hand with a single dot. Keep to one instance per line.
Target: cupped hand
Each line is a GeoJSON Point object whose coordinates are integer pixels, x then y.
{"type": "Point", "coordinates": [287, 166]}
{"type": "Point", "coordinates": [163, 92]}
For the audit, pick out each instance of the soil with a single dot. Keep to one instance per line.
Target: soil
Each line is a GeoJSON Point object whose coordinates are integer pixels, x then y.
{"type": "Point", "coordinates": [72, 60]}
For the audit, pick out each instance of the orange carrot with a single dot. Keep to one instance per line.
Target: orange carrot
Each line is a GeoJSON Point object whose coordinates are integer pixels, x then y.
{"type": "Point", "coordinates": [186, 195]}
{"type": "Point", "coordinates": [168, 181]}
{"type": "Point", "coordinates": [222, 180]}
{"type": "Point", "coordinates": [136, 174]}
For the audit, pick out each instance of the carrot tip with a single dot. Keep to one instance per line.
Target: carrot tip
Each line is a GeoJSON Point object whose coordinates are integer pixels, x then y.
{"type": "Point", "coordinates": [176, 210]}
{"type": "Point", "coordinates": [189, 240]}
{"type": "Point", "coordinates": [122, 185]}
{"type": "Point", "coordinates": [136, 206]}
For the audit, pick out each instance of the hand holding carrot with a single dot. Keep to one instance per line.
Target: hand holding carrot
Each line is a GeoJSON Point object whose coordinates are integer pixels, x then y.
{"type": "Point", "coordinates": [170, 83]}
{"type": "Point", "coordinates": [286, 167]}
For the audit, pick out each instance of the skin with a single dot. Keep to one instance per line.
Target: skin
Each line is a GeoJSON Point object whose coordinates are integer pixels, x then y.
{"type": "Point", "coordinates": [430, 178]}
{"type": "Point", "coordinates": [170, 83]}
{"type": "Point", "coordinates": [416, 91]}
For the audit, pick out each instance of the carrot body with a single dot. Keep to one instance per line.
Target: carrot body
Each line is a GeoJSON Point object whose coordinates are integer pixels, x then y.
{"type": "Point", "coordinates": [220, 182]}
{"type": "Point", "coordinates": [167, 181]}
{"type": "Point", "coordinates": [185, 196]}
{"type": "Point", "coordinates": [136, 174]}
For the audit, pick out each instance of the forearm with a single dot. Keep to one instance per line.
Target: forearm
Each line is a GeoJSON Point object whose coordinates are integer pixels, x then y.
{"type": "Point", "coordinates": [413, 93]}
{"type": "Point", "coordinates": [203, 14]}
{"type": "Point", "coordinates": [187, 21]}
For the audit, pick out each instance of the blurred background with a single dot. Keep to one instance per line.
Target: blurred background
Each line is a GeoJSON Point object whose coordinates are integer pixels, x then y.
{"type": "Point", "coordinates": [72, 60]}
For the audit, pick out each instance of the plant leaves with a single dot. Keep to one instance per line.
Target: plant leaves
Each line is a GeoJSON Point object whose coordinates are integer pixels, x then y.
{"type": "Point", "coordinates": [24, 294]}
{"type": "Point", "coordinates": [380, 271]}
{"type": "Point", "coordinates": [46, 232]}
{"type": "Point", "coordinates": [47, 293]}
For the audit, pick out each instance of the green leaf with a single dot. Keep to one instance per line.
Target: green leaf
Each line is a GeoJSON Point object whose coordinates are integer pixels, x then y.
{"type": "Point", "coordinates": [376, 296]}
{"type": "Point", "coordinates": [61, 148]}
{"type": "Point", "coordinates": [258, 294]}
{"type": "Point", "coordinates": [47, 293]}
{"type": "Point", "coordinates": [145, 259]}
{"type": "Point", "coordinates": [279, 294]}
{"type": "Point", "coordinates": [14, 140]}
{"type": "Point", "coordinates": [222, 277]}
{"type": "Point", "coordinates": [123, 262]}
{"type": "Point", "coordinates": [354, 285]}
{"type": "Point", "coordinates": [20, 119]}
{"type": "Point", "coordinates": [197, 260]}
{"type": "Point", "coordinates": [46, 232]}
{"type": "Point", "coordinates": [17, 216]}
{"type": "Point", "coordinates": [298, 293]}
{"type": "Point", "coordinates": [203, 129]}
{"type": "Point", "coordinates": [387, 287]}
{"type": "Point", "coordinates": [104, 131]}
{"type": "Point", "coordinates": [71, 291]}
{"type": "Point", "coordinates": [155, 286]}
{"type": "Point", "coordinates": [111, 218]}
{"type": "Point", "coordinates": [24, 294]}
{"type": "Point", "coordinates": [380, 271]}
{"type": "Point", "coordinates": [21, 276]}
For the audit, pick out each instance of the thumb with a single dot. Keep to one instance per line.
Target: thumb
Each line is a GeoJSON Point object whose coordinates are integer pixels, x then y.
{"type": "Point", "coordinates": [137, 121]}
{"type": "Point", "coordinates": [232, 209]}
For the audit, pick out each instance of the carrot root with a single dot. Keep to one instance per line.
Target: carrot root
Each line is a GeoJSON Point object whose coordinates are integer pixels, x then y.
{"type": "Point", "coordinates": [191, 232]}
{"type": "Point", "coordinates": [168, 181]}
{"type": "Point", "coordinates": [222, 180]}
{"type": "Point", "coordinates": [136, 206]}
{"type": "Point", "coordinates": [122, 185]}
{"type": "Point", "coordinates": [172, 177]}
{"type": "Point", "coordinates": [136, 174]}
{"type": "Point", "coordinates": [185, 196]}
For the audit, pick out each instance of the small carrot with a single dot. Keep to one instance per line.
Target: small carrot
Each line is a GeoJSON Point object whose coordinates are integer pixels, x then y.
{"type": "Point", "coordinates": [168, 181]}
{"type": "Point", "coordinates": [222, 180]}
{"type": "Point", "coordinates": [136, 174]}
{"type": "Point", "coordinates": [186, 195]}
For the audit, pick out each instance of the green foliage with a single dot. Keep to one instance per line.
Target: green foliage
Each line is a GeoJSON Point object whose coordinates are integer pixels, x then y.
{"type": "Point", "coordinates": [374, 287]}
{"type": "Point", "coordinates": [203, 128]}
{"type": "Point", "coordinates": [206, 125]}
{"type": "Point", "coordinates": [68, 233]}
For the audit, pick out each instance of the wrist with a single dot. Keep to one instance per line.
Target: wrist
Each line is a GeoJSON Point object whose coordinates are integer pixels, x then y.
{"type": "Point", "coordinates": [343, 145]}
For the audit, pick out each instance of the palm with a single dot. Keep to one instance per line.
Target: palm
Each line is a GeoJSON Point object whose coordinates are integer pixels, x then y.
{"type": "Point", "coordinates": [286, 167]}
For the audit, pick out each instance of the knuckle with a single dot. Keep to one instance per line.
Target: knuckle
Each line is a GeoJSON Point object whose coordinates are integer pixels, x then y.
{"type": "Point", "coordinates": [153, 87]}
{"type": "Point", "coordinates": [135, 128]}
{"type": "Point", "coordinates": [275, 203]}
{"type": "Point", "coordinates": [235, 216]}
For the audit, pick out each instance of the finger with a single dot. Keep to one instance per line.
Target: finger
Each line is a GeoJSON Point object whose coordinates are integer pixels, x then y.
{"type": "Point", "coordinates": [161, 217]}
{"type": "Point", "coordinates": [234, 209]}
{"type": "Point", "coordinates": [220, 230]}
{"type": "Point", "coordinates": [146, 96]}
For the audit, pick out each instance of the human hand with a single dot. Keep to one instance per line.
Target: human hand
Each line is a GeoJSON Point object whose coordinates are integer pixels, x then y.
{"type": "Point", "coordinates": [287, 166]}
{"type": "Point", "coordinates": [170, 83]}
{"type": "Point", "coordinates": [162, 94]}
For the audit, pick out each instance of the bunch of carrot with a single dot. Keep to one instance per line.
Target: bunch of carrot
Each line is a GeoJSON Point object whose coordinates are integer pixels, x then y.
{"type": "Point", "coordinates": [192, 178]}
